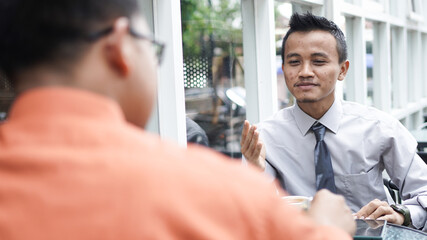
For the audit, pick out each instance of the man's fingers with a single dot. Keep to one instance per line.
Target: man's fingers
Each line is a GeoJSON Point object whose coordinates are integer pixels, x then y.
{"type": "Point", "coordinates": [249, 140]}
{"type": "Point", "coordinates": [328, 208]}
{"type": "Point", "coordinates": [257, 150]}
{"type": "Point", "coordinates": [380, 211]}
{"type": "Point", "coordinates": [253, 144]}
{"type": "Point", "coordinates": [388, 218]}
{"type": "Point", "coordinates": [246, 126]}
{"type": "Point", "coordinates": [369, 208]}
{"type": "Point", "coordinates": [391, 216]}
{"type": "Point", "coordinates": [250, 145]}
{"type": "Point", "coordinates": [246, 139]}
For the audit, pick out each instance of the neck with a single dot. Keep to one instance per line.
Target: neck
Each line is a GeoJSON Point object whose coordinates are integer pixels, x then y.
{"type": "Point", "coordinates": [88, 76]}
{"type": "Point", "coordinates": [317, 109]}
{"type": "Point", "coordinates": [40, 77]}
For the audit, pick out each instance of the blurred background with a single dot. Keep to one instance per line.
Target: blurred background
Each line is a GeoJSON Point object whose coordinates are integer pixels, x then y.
{"type": "Point", "coordinates": [222, 63]}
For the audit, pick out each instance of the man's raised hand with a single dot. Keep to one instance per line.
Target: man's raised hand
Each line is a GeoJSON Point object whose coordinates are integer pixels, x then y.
{"type": "Point", "coordinates": [251, 146]}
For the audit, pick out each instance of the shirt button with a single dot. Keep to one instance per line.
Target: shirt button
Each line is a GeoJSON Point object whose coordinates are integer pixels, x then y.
{"type": "Point", "coordinates": [362, 172]}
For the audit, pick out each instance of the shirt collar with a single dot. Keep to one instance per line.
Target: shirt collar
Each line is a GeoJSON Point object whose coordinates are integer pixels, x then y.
{"type": "Point", "coordinates": [330, 120]}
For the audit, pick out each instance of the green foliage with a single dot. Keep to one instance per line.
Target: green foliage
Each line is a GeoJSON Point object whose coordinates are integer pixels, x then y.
{"type": "Point", "coordinates": [208, 20]}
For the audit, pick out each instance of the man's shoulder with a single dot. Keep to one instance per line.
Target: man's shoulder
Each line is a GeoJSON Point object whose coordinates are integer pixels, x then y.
{"type": "Point", "coordinates": [199, 170]}
{"type": "Point", "coordinates": [168, 154]}
{"type": "Point", "coordinates": [367, 113]}
{"type": "Point", "coordinates": [283, 115]}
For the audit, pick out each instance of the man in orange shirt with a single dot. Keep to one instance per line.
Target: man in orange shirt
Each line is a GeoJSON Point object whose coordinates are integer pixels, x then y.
{"type": "Point", "coordinates": [74, 163]}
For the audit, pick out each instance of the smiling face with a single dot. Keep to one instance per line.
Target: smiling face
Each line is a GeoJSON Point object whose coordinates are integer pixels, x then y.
{"type": "Point", "coordinates": [311, 67]}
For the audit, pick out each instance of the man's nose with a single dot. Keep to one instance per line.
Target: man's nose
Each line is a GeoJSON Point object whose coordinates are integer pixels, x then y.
{"type": "Point", "coordinates": [306, 70]}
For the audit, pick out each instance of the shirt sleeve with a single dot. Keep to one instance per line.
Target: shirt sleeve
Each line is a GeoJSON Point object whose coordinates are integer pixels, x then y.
{"type": "Point", "coordinates": [407, 171]}
{"type": "Point", "coordinates": [416, 198]}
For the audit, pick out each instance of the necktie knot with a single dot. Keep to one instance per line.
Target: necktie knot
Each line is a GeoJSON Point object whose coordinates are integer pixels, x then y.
{"type": "Point", "coordinates": [319, 131]}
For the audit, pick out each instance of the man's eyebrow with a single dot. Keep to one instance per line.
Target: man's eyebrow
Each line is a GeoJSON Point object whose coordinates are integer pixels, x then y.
{"type": "Point", "coordinates": [292, 55]}
{"type": "Point", "coordinates": [319, 54]}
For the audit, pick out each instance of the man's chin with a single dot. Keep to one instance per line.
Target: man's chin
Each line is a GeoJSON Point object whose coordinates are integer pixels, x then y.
{"type": "Point", "coordinates": [307, 100]}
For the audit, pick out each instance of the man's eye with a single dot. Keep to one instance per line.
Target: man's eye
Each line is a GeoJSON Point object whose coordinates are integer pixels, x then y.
{"type": "Point", "coordinates": [319, 62]}
{"type": "Point", "coordinates": [293, 62]}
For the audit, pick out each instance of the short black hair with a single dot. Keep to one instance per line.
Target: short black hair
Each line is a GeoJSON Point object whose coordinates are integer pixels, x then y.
{"type": "Point", "coordinates": [52, 31]}
{"type": "Point", "coordinates": [308, 22]}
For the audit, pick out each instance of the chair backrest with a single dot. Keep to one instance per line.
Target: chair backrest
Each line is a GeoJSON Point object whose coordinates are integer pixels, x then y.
{"type": "Point", "coordinates": [422, 126]}
{"type": "Point", "coordinates": [392, 191]}
{"type": "Point", "coordinates": [423, 156]}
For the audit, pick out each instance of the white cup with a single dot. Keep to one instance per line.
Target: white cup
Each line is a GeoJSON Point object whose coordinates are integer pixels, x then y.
{"type": "Point", "coordinates": [300, 201]}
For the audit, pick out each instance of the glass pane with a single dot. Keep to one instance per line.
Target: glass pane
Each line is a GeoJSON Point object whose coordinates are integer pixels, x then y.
{"type": "Point", "coordinates": [393, 80]}
{"type": "Point", "coordinates": [424, 63]}
{"type": "Point", "coordinates": [6, 96]}
{"type": "Point", "coordinates": [282, 15]}
{"type": "Point", "coordinates": [369, 34]}
{"type": "Point", "coordinates": [411, 51]}
{"type": "Point", "coordinates": [342, 26]}
{"type": "Point", "coordinates": [213, 73]}
{"type": "Point", "coordinates": [412, 6]}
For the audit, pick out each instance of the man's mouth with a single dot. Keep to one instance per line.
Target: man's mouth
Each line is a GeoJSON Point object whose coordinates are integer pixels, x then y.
{"type": "Point", "coordinates": [305, 84]}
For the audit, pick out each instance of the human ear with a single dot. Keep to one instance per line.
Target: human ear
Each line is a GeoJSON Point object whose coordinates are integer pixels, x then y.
{"type": "Point", "coordinates": [117, 48]}
{"type": "Point", "coordinates": [343, 70]}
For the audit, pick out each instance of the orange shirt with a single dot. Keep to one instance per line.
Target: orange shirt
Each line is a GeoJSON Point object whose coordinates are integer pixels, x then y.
{"type": "Point", "coordinates": [72, 168]}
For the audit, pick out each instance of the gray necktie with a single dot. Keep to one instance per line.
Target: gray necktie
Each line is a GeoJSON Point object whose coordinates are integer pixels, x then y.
{"type": "Point", "coordinates": [322, 159]}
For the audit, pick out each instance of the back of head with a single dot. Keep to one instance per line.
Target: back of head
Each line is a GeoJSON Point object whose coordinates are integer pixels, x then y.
{"type": "Point", "coordinates": [53, 32]}
{"type": "Point", "coordinates": [308, 22]}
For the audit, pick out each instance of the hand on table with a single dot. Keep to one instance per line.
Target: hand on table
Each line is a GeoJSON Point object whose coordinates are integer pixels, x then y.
{"type": "Point", "coordinates": [251, 146]}
{"type": "Point", "coordinates": [380, 210]}
{"type": "Point", "coordinates": [330, 209]}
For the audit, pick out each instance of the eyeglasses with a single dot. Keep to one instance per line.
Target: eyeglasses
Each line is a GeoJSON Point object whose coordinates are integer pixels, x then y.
{"type": "Point", "coordinates": [158, 46]}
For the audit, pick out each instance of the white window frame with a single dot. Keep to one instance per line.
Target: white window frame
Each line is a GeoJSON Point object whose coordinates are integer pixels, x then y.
{"type": "Point", "coordinates": [416, 15]}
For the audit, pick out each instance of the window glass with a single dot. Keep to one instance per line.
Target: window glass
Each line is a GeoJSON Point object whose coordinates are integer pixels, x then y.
{"type": "Point", "coordinates": [415, 10]}
{"type": "Point", "coordinates": [412, 6]}
{"type": "Point", "coordinates": [6, 96]}
{"type": "Point", "coordinates": [393, 8]}
{"type": "Point", "coordinates": [213, 73]}
{"type": "Point", "coordinates": [369, 36]}
{"type": "Point", "coordinates": [424, 64]}
{"type": "Point", "coordinates": [393, 61]}
{"type": "Point", "coordinates": [411, 64]}
{"type": "Point", "coordinates": [282, 14]}
{"type": "Point", "coordinates": [342, 26]}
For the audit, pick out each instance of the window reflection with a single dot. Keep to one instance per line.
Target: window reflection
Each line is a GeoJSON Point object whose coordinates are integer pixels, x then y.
{"type": "Point", "coordinates": [282, 14]}
{"type": "Point", "coordinates": [393, 80]}
{"type": "Point", "coordinates": [6, 96]}
{"type": "Point", "coordinates": [369, 35]}
{"type": "Point", "coordinates": [213, 71]}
